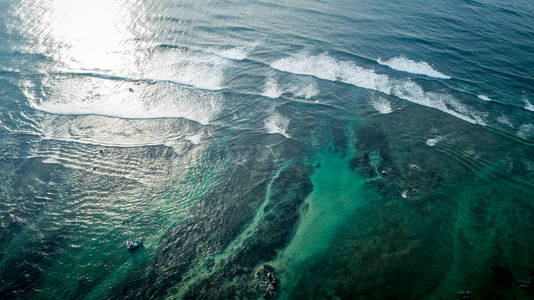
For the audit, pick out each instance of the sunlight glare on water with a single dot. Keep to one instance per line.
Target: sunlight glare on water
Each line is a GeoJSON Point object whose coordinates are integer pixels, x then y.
{"type": "Point", "coordinates": [85, 35]}
{"type": "Point", "coordinates": [347, 147]}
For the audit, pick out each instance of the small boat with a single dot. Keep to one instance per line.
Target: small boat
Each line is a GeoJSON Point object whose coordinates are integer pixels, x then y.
{"type": "Point", "coordinates": [130, 245]}
{"type": "Point", "coordinates": [526, 284]}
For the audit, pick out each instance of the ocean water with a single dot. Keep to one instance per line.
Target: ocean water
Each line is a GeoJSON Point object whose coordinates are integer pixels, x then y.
{"type": "Point", "coordinates": [363, 149]}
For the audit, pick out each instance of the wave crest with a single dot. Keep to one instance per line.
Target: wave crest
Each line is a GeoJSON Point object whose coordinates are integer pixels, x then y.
{"type": "Point", "coordinates": [104, 97]}
{"type": "Point", "coordinates": [276, 123]}
{"type": "Point", "coordinates": [272, 90]}
{"type": "Point", "coordinates": [382, 105]}
{"type": "Point", "coordinates": [326, 67]}
{"type": "Point", "coordinates": [528, 105]}
{"type": "Point", "coordinates": [415, 67]}
{"type": "Point", "coordinates": [237, 53]}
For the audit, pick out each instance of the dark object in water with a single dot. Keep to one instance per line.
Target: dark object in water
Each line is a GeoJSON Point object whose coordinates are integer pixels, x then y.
{"type": "Point", "coordinates": [526, 284]}
{"type": "Point", "coordinates": [267, 278]}
{"type": "Point", "coordinates": [269, 292]}
{"type": "Point", "coordinates": [134, 245]}
{"type": "Point", "coordinates": [464, 295]}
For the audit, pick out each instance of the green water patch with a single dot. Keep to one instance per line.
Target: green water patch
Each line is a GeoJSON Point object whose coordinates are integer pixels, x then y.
{"type": "Point", "coordinates": [37, 241]}
{"type": "Point", "coordinates": [450, 216]}
{"type": "Point", "coordinates": [192, 252]}
{"type": "Point", "coordinates": [390, 235]}
{"type": "Point", "coordinates": [229, 273]}
{"type": "Point", "coordinates": [75, 249]}
{"type": "Point", "coordinates": [493, 242]}
{"type": "Point", "coordinates": [216, 261]}
{"type": "Point", "coordinates": [79, 238]}
{"type": "Point", "coordinates": [156, 221]}
{"type": "Point", "coordinates": [337, 192]}
{"type": "Point", "coordinates": [233, 277]}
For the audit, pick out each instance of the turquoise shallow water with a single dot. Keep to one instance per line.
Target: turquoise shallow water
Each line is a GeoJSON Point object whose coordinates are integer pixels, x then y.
{"type": "Point", "coordinates": [364, 149]}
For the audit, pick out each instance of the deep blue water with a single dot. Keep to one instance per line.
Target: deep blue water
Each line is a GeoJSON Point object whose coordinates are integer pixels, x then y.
{"type": "Point", "coordinates": [363, 149]}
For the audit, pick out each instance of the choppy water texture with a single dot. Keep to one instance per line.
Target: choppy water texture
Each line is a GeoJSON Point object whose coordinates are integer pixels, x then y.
{"type": "Point", "coordinates": [364, 149]}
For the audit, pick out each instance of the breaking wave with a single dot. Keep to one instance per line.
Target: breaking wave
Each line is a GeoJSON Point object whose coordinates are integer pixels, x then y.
{"type": "Point", "coordinates": [276, 123]}
{"type": "Point", "coordinates": [505, 121]}
{"type": "Point", "coordinates": [197, 69]}
{"type": "Point", "coordinates": [528, 105]}
{"type": "Point", "coordinates": [432, 142]}
{"type": "Point", "coordinates": [415, 67]}
{"type": "Point", "coordinates": [326, 67]}
{"type": "Point", "coordinates": [484, 98]}
{"type": "Point", "coordinates": [237, 53]}
{"type": "Point", "coordinates": [300, 87]}
{"type": "Point", "coordinates": [98, 96]}
{"type": "Point", "coordinates": [526, 131]}
{"type": "Point", "coordinates": [382, 105]}
{"type": "Point", "coordinates": [271, 89]}
{"type": "Point", "coordinates": [305, 87]}
{"type": "Point", "coordinates": [195, 139]}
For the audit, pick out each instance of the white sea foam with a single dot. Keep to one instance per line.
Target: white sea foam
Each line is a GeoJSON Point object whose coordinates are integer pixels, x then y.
{"type": "Point", "coordinates": [413, 92]}
{"type": "Point", "coordinates": [526, 131]}
{"type": "Point", "coordinates": [504, 120]}
{"type": "Point", "coordinates": [195, 139]}
{"type": "Point", "coordinates": [326, 67]}
{"type": "Point", "coordinates": [200, 70]}
{"type": "Point", "coordinates": [484, 97]}
{"type": "Point", "coordinates": [415, 67]}
{"type": "Point", "coordinates": [528, 105]}
{"type": "Point", "coordinates": [276, 123]}
{"type": "Point", "coordinates": [8, 69]}
{"type": "Point", "coordinates": [302, 87]}
{"type": "Point", "coordinates": [305, 87]}
{"type": "Point", "coordinates": [271, 89]}
{"type": "Point", "coordinates": [237, 53]}
{"type": "Point", "coordinates": [96, 96]}
{"type": "Point", "coordinates": [115, 132]}
{"type": "Point", "coordinates": [434, 141]}
{"type": "Point", "coordinates": [382, 105]}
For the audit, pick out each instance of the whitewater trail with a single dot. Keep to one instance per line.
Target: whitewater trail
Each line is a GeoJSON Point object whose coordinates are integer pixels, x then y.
{"type": "Point", "coordinates": [414, 67]}
{"type": "Point", "coordinates": [326, 67]}
{"type": "Point", "coordinates": [276, 123]}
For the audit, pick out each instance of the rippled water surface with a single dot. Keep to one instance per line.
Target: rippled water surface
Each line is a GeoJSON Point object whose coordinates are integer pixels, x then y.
{"type": "Point", "coordinates": [363, 149]}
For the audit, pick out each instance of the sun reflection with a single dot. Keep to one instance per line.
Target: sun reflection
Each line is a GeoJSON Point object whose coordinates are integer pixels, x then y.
{"type": "Point", "coordinates": [93, 34]}
{"type": "Point", "coordinates": [88, 35]}
{"type": "Point", "coordinates": [102, 59]}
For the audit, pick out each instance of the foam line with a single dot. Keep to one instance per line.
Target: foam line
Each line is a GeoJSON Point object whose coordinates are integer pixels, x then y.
{"type": "Point", "coordinates": [96, 96]}
{"type": "Point", "coordinates": [195, 69]}
{"type": "Point", "coordinates": [528, 105]}
{"type": "Point", "coordinates": [415, 67]}
{"type": "Point", "coordinates": [484, 98]}
{"type": "Point", "coordinates": [326, 67]}
{"type": "Point", "coordinates": [237, 53]}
